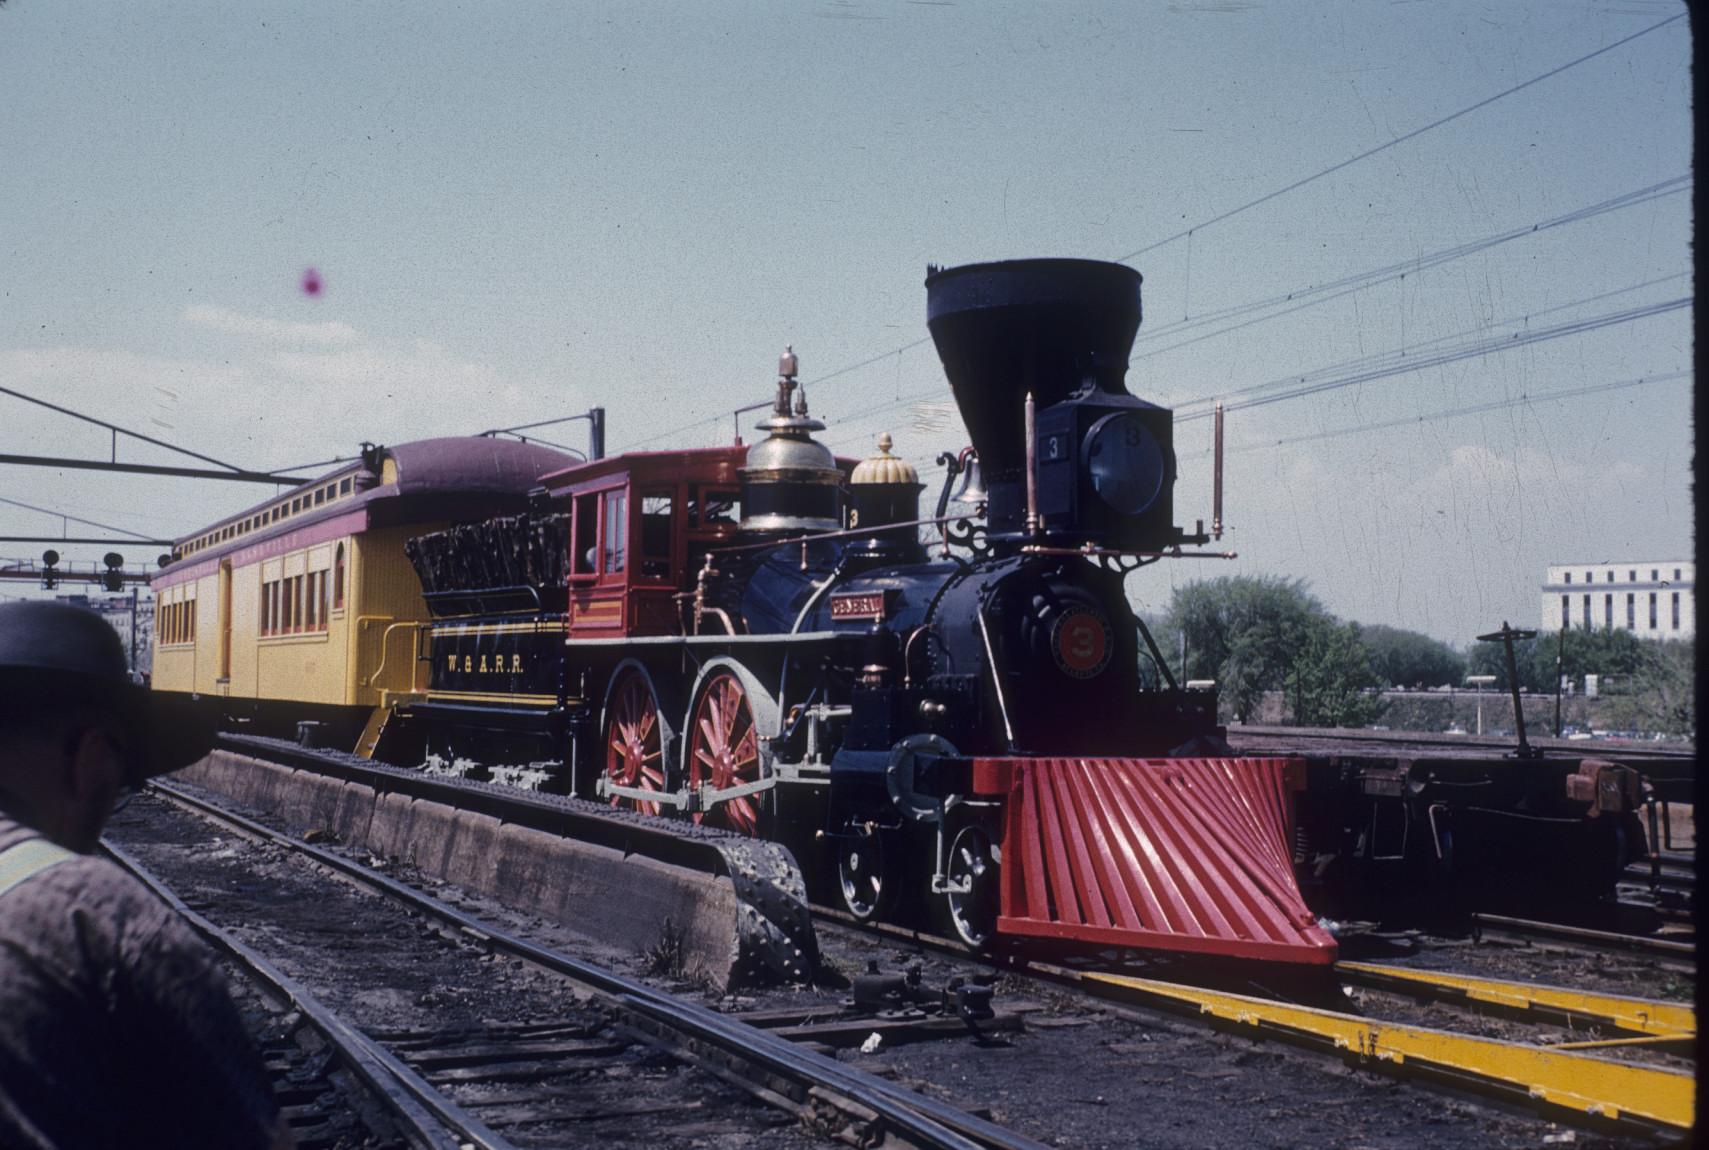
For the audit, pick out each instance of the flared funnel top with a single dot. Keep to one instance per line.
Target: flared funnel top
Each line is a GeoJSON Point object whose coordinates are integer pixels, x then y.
{"type": "Point", "coordinates": [1018, 326]}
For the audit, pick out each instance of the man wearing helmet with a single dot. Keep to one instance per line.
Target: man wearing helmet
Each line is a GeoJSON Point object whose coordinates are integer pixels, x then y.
{"type": "Point", "coordinates": [115, 1025]}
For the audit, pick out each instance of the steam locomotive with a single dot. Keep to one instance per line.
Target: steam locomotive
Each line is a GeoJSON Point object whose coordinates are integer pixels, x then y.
{"type": "Point", "coordinates": [955, 712]}
{"type": "Point", "coordinates": [960, 711]}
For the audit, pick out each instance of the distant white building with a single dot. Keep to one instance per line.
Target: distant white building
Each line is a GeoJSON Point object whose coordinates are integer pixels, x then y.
{"type": "Point", "coordinates": [1651, 600]}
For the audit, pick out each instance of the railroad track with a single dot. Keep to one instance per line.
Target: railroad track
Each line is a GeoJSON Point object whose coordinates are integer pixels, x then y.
{"type": "Point", "coordinates": [425, 1116]}
{"type": "Point", "coordinates": [824, 1094]}
{"type": "Point", "coordinates": [1669, 954]}
{"type": "Point", "coordinates": [1567, 1076]}
{"type": "Point", "coordinates": [1514, 1070]}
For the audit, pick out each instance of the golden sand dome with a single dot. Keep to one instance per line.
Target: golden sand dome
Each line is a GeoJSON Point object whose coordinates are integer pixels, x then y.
{"type": "Point", "coordinates": [884, 467]}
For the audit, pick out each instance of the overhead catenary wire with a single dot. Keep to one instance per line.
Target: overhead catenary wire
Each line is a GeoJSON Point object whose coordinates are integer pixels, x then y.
{"type": "Point", "coordinates": [1482, 347]}
{"type": "Point", "coordinates": [1472, 409]}
{"type": "Point", "coordinates": [1308, 297]}
{"type": "Point", "coordinates": [1414, 352]}
{"type": "Point", "coordinates": [138, 536]}
{"type": "Point", "coordinates": [1266, 198]}
{"type": "Point", "coordinates": [1347, 285]}
{"type": "Point", "coordinates": [116, 429]}
{"type": "Point", "coordinates": [1401, 139]}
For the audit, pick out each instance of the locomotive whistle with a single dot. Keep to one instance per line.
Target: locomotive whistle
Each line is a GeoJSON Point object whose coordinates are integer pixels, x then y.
{"type": "Point", "coordinates": [1216, 479]}
{"type": "Point", "coordinates": [1033, 523]}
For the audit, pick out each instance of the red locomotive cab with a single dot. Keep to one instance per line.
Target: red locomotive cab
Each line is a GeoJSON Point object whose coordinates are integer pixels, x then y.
{"type": "Point", "coordinates": [640, 526]}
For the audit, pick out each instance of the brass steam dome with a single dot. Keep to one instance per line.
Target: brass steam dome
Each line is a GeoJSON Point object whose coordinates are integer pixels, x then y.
{"type": "Point", "coordinates": [884, 467]}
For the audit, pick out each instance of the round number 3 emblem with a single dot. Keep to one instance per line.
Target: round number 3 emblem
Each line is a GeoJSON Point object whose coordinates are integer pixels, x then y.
{"type": "Point", "coordinates": [1081, 642]}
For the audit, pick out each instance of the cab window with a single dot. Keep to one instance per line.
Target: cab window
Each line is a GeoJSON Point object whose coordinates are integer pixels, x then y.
{"type": "Point", "coordinates": [719, 509]}
{"type": "Point", "coordinates": [616, 541]}
{"type": "Point", "coordinates": [585, 547]}
{"type": "Point", "coordinates": [656, 510]}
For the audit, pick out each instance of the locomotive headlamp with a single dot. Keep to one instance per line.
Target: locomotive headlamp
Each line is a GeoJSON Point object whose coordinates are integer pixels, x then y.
{"type": "Point", "coordinates": [1125, 463]}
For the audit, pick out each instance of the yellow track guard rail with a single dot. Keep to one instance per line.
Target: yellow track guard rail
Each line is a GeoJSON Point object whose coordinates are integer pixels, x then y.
{"type": "Point", "coordinates": [1596, 1087]}
{"type": "Point", "coordinates": [1636, 1015]}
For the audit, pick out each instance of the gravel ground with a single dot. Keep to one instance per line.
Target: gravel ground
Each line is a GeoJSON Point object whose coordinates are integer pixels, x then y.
{"type": "Point", "coordinates": [389, 971]}
{"type": "Point", "coordinates": [1079, 1074]}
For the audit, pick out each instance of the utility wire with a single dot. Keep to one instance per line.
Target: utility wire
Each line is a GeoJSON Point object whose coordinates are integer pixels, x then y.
{"type": "Point", "coordinates": [1412, 135]}
{"type": "Point", "coordinates": [320, 463]}
{"type": "Point", "coordinates": [74, 519]}
{"type": "Point", "coordinates": [1380, 365]}
{"type": "Point", "coordinates": [1413, 352]}
{"type": "Point", "coordinates": [1303, 298]}
{"type": "Point", "coordinates": [1475, 409]}
{"type": "Point", "coordinates": [1478, 348]}
{"type": "Point", "coordinates": [1324, 293]}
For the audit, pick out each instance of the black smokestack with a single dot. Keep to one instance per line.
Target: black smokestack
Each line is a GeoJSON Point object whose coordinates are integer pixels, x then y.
{"type": "Point", "coordinates": [1044, 326]}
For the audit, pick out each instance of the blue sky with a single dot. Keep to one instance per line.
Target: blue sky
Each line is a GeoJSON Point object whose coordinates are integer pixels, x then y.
{"type": "Point", "coordinates": [519, 211]}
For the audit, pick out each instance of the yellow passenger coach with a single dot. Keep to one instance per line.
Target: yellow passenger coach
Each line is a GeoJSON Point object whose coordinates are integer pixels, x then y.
{"type": "Point", "coordinates": [305, 608]}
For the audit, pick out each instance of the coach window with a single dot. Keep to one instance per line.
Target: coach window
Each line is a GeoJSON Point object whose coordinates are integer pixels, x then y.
{"type": "Point", "coordinates": [338, 579]}
{"type": "Point", "coordinates": [616, 541]}
{"type": "Point", "coordinates": [344, 486]}
{"type": "Point", "coordinates": [320, 496]}
{"type": "Point", "coordinates": [657, 509]}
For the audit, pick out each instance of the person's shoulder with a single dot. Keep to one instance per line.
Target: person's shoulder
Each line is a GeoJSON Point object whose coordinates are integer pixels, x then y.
{"type": "Point", "coordinates": [89, 890]}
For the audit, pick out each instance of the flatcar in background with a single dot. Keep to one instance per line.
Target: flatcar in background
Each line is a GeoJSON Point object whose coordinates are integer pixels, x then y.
{"type": "Point", "coordinates": [957, 711]}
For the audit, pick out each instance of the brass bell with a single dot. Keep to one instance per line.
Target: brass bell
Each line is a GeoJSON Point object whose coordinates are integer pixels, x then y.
{"type": "Point", "coordinates": [972, 490]}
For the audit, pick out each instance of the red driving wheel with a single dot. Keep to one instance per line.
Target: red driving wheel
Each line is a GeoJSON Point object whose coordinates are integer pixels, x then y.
{"type": "Point", "coordinates": [634, 741]}
{"type": "Point", "coordinates": [724, 750]}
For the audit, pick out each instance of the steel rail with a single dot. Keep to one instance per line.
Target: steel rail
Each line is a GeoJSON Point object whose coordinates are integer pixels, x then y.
{"type": "Point", "coordinates": [1673, 954]}
{"type": "Point", "coordinates": [922, 1121]}
{"type": "Point", "coordinates": [1567, 1005]}
{"type": "Point", "coordinates": [426, 1113]}
{"type": "Point", "coordinates": [1566, 1080]}
{"type": "Point", "coordinates": [1622, 1013]}
{"type": "Point", "coordinates": [1101, 987]}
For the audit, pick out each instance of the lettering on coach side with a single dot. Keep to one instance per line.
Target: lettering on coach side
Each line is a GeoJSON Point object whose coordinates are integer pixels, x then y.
{"type": "Point", "coordinates": [495, 666]}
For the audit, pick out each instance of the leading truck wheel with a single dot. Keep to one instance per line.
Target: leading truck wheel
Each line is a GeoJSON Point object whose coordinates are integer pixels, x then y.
{"type": "Point", "coordinates": [731, 712]}
{"type": "Point", "coordinates": [864, 876]}
{"type": "Point", "coordinates": [637, 742]}
{"type": "Point", "coordinates": [970, 904]}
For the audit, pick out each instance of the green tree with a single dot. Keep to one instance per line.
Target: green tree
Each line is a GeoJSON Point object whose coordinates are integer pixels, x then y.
{"type": "Point", "coordinates": [1402, 658]}
{"type": "Point", "coordinates": [1329, 680]}
{"type": "Point", "coordinates": [1661, 694]}
{"type": "Point", "coordinates": [1608, 653]}
{"type": "Point", "coordinates": [1240, 630]}
{"type": "Point", "coordinates": [1254, 634]}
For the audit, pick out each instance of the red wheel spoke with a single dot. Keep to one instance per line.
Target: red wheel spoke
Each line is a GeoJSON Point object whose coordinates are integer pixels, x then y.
{"type": "Point", "coordinates": [747, 751]}
{"type": "Point", "coordinates": [724, 749]}
{"type": "Point", "coordinates": [635, 741]}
